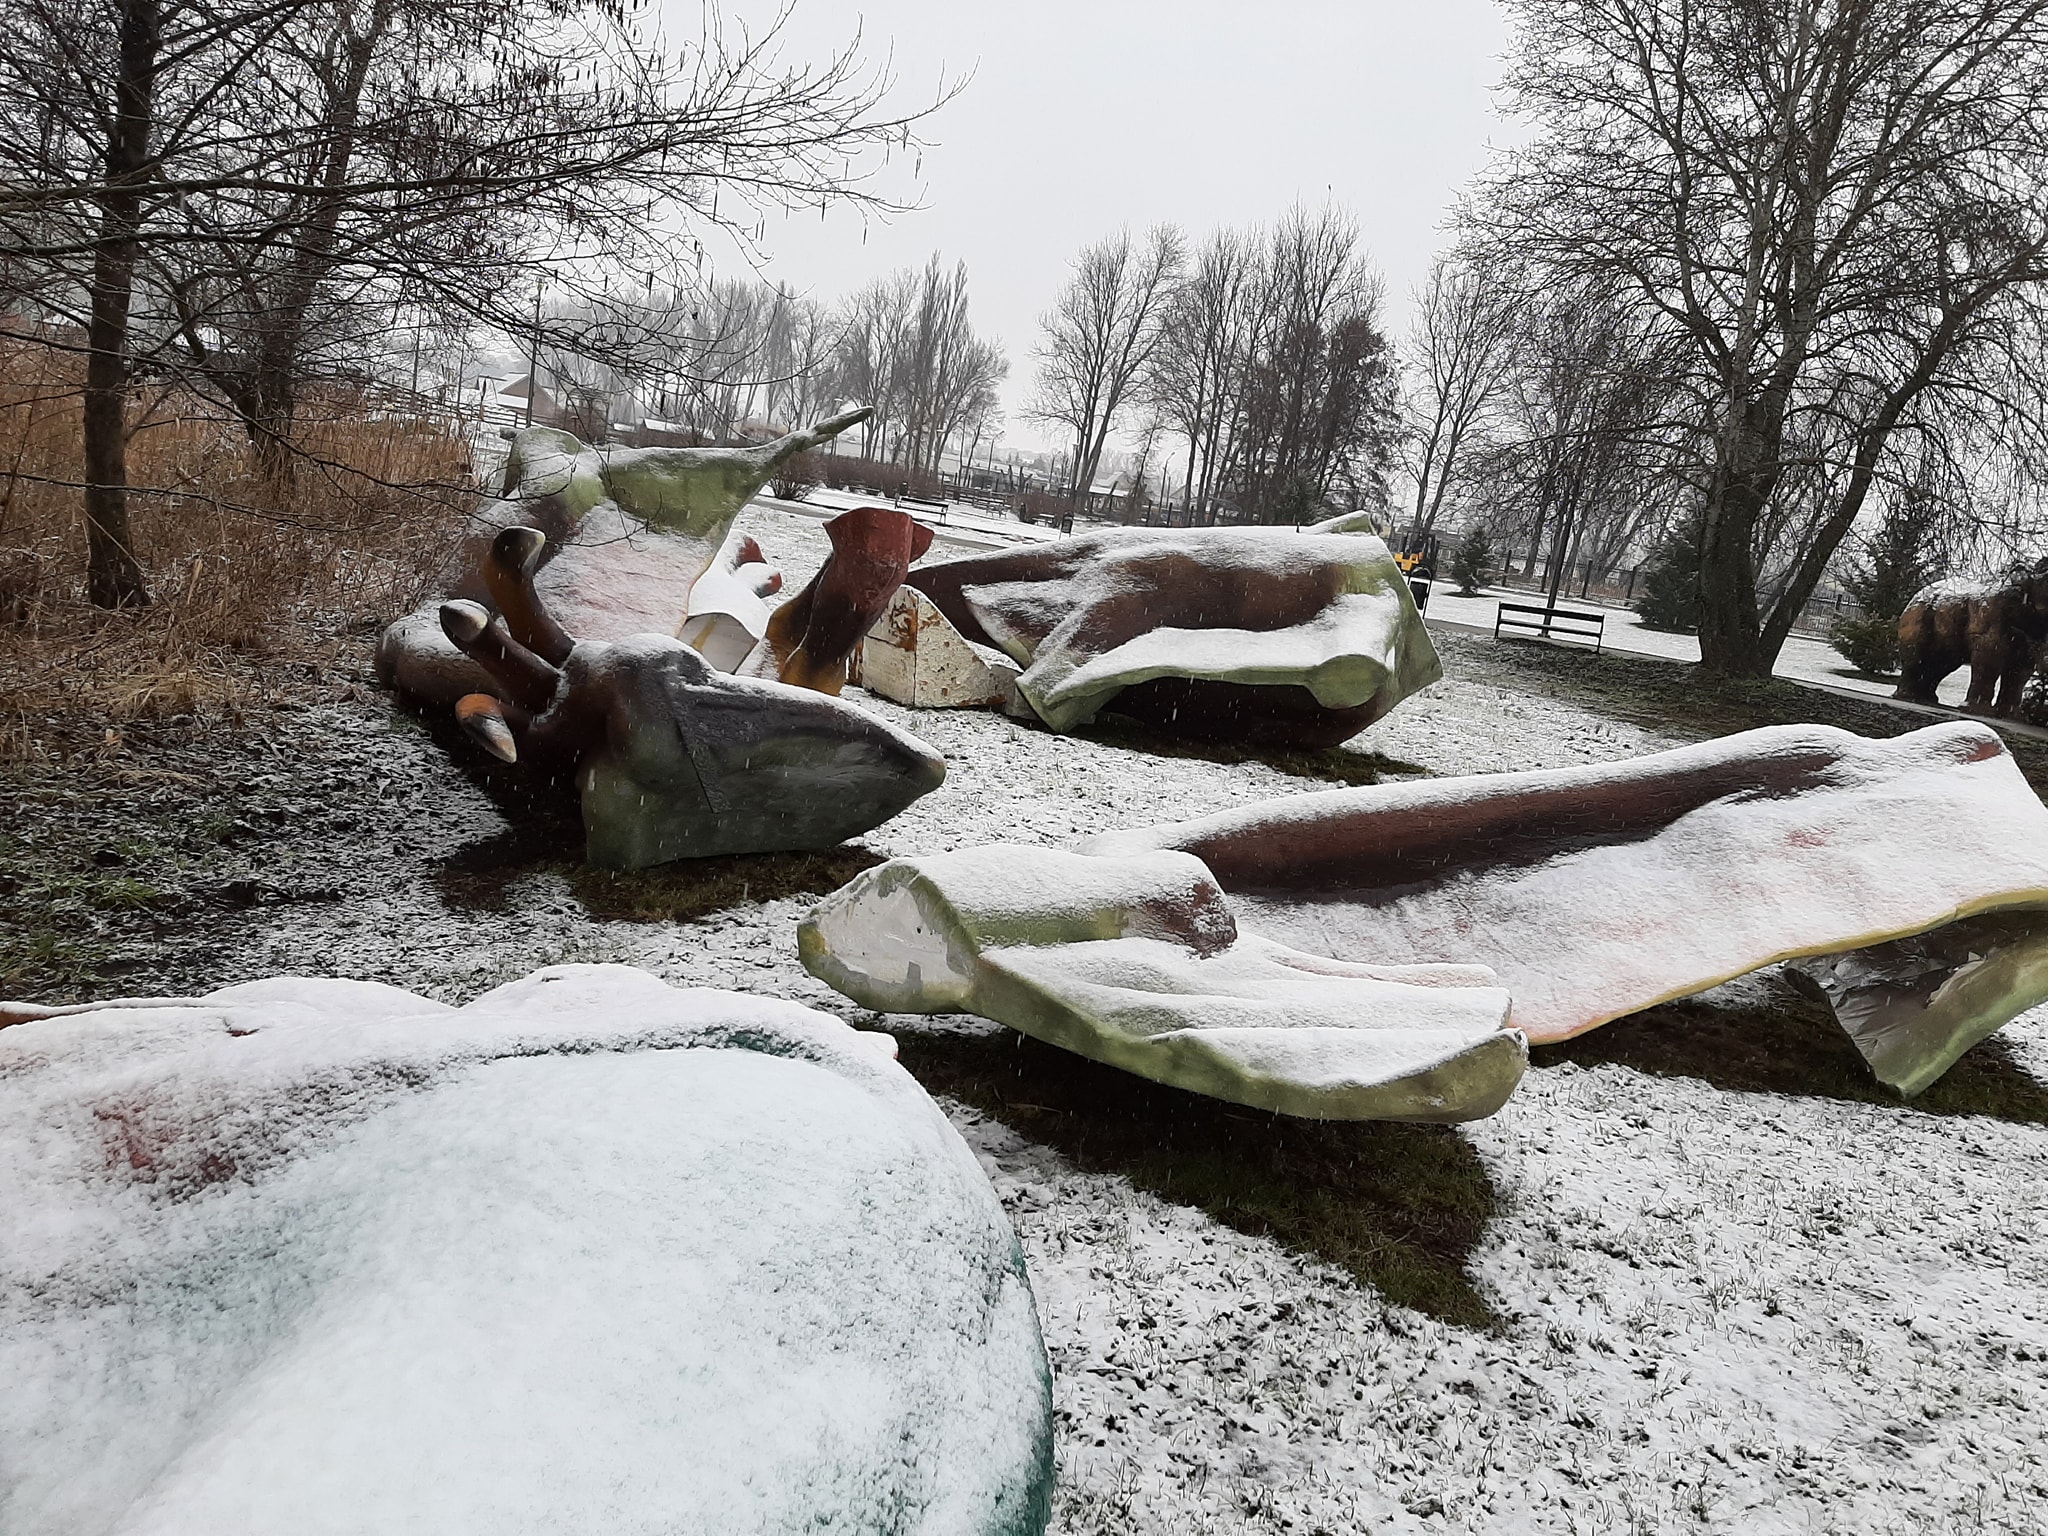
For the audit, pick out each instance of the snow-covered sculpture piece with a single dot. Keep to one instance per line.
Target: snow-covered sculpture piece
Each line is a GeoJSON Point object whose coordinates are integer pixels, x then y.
{"type": "Point", "coordinates": [1252, 634]}
{"type": "Point", "coordinates": [1594, 892]}
{"type": "Point", "coordinates": [590, 1253]}
{"type": "Point", "coordinates": [673, 759]}
{"type": "Point", "coordinates": [1138, 963]}
{"type": "Point", "coordinates": [629, 532]}
{"type": "Point", "coordinates": [1995, 628]}
{"type": "Point", "coordinates": [558, 652]}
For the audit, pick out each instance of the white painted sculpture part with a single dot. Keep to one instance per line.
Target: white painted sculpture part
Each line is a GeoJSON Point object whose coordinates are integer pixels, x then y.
{"type": "Point", "coordinates": [1137, 962]}
{"type": "Point", "coordinates": [590, 1253]}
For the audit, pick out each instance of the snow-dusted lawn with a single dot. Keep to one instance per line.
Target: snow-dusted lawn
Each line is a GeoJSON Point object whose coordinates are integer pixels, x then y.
{"type": "Point", "coordinates": [1698, 1275]}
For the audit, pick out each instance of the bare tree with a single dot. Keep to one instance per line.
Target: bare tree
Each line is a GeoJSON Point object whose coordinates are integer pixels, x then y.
{"type": "Point", "coordinates": [1832, 205]}
{"type": "Point", "coordinates": [1098, 338]}
{"type": "Point", "coordinates": [1460, 356]}
{"type": "Point", "coordinates": [1194, 372]}
{"type": "Point", "coordinates": [232, 194]}
{"type": "Point", "coordinates": [906, 346]}
{"type": "Point", "coordinates": [1316, 408]}
{"type": "Point", "coordinates": [1575, 471]}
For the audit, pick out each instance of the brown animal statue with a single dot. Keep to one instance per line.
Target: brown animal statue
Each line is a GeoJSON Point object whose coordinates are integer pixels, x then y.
{"type": "Point", "coordinates": [1994, 627]}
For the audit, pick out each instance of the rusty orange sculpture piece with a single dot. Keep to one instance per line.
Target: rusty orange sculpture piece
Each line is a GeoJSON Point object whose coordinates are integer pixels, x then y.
{"type": "Point", "coordinates": [812, 637]}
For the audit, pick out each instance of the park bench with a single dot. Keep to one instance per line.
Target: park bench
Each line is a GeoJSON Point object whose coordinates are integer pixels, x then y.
{"type": "Point", "coordinates": [1546, 623]}
{"type": "Point", "coordinates": [922, 506]}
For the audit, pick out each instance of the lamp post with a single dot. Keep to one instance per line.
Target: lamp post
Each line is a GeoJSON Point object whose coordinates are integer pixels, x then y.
{"type": "Point", "coordinates": [533, 361]}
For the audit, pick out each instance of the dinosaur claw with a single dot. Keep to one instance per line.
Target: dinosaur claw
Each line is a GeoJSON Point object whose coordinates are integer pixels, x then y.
{"type": "Point", "coordinates": [464, 622]}
{"type": "Point", "coordinates": [519, 547]}
{"type": "Point", "coordinates": [483, 719]}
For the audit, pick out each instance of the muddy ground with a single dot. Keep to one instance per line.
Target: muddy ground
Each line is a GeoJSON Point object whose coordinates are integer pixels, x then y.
{"type": "Point", "coordinates": [1702, 1272]}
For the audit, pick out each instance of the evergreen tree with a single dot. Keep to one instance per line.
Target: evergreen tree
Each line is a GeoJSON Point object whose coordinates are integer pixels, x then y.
{"type": "Point", "coordinates": [1900, 558]}
{"type": "Point", "coordinates": [1670, 598]}
{"type": "Point", "coordinates": [1470, 560]}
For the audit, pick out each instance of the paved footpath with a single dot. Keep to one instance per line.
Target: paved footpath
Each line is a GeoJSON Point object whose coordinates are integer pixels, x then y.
{"type": "Point", "coordinates": [1812, 663]}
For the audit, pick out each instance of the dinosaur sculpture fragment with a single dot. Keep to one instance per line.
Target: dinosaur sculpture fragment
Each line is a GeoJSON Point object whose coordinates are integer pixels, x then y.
{"type": "Point", "coordinates": [1257, 634]}
{"type": "Point", "coordinates": [1594, 892]}
{"type": "Point", "coordinates": [629, 531]}
{"type": "Point", "coordinates": [1914, 1005]}
{"type": "Point", "coordinates": [590, 1251]}
{"type": "Point", "coordinates": [671, 758]}
{"type": "Point", "coordinates": [812, 637]}
{"type": "Point", "coordinates": [557, 651]}
{"type": "Point", "coordinates": [1137, 962]}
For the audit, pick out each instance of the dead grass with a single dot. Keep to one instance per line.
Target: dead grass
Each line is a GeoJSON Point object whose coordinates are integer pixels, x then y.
{"type": "Point", "coordinates": [258, 591]}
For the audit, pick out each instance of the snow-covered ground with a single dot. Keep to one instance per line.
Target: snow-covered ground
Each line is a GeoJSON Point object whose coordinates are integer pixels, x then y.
{"type": "Point", "coordinates": [1702, 1292]}
{"type": "Point", "coordinates": [1803, 659]}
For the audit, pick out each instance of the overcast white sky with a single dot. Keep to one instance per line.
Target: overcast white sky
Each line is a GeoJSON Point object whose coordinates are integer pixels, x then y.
{"type": "Point", "coordinates": [1085, 114]}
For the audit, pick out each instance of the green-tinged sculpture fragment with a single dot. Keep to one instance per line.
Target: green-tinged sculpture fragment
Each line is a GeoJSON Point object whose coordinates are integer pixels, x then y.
{"type": "Point", "coordinates": [1597, 891]}
{"type": "Point", "coordinates": [1256, 634]}
{"type": "Point", "coordinates": [1914, 1005]}
{"type": "Point", "coordinates": [1137, 962]}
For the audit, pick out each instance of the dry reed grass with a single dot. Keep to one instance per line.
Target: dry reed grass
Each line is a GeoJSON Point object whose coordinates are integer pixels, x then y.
{"type": "Point", "coordinates": [259, 592]}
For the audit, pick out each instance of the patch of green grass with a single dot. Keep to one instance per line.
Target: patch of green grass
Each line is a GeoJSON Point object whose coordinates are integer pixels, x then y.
{"type": "Point", "coordinates": [1399, 1206]}
{"type": "Point", "coordinates": [68, 892]}
{"type": "Point", "coordinates": [40, 964]}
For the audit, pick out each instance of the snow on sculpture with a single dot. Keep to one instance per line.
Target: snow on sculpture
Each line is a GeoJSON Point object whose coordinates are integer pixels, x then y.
{"type": "Point", "coordinates": [1137, 962]}
{"type": "Point", "coordinates": [1256, 634]}
{"type": "Point", "coordinates": [1594, 892]}
{"type": "Point", "coordinates": [589, 1253]}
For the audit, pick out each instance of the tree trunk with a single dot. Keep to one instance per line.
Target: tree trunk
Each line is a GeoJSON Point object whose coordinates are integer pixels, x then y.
{"type": "Point", "coordinates": [1731, 631]}
{"type": "Point", "coordinates": [113, 576]}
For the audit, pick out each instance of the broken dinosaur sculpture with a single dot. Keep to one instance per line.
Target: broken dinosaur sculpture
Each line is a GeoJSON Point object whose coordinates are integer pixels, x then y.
{"type": "Point", "coordinates": [1137, 962]}
{"type": "Point", "coordinates": [811, 638]}
{"type": "Point", "coordinates": [590, 1251]}
{"type": "Point", "coordinates": [558, 651]}
{"type": "Point", "coordinates": [1914, 1005]}
{"type": "Point", "coordinates": [1597, 891]}
{"type": "Point", "coordinates": [629, 532]}
{"type": "Point", "coordinates": [672, 759]}
{"type": "Point", "coordinates": [1253, 634]}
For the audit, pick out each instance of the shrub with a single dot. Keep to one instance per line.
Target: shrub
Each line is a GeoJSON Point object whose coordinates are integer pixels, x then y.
{"type": "Point", "coordinates": [1869, 642]}
{"type": "Point", "coordinates": [1900, 558]}
{"type": "Point", "coordinates": [257, 592]}
{"type": "Point", "coordinates": [794, 479]}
